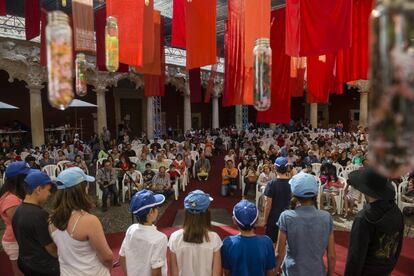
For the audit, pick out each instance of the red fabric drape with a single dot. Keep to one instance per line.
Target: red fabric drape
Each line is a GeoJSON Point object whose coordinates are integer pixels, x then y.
{"type": "Point", "coordinates": [297, 76]}
{"type": "Point", "coordinates": [279, 111]}
{"type": "Point", "coordinates": [2, 7]}
{"type": "Point", "coordinates": [200, 26]}
{"type": "Point", "coordinates": [210, 83]}
{"type": "Point", "coordinates": [83, 26]}
{"type": "Point", "coordinates": [195, 85]}
{"type": "Point", "coordinates": [178, 24]}
{"type": "Point", "coordinates": [356, 58]}
{"type": "Point", "coordinates": [135, 30]}
{"type": "Point", "coordinates": [43, 37]}
{"type": "Point", "coordinates": [320, 78]}
{"type": "Point", "coordinates": [154, 85]}
{"type": "Point", "coordinates": [317, 27]}
{"type": "Point", "coordinates": [32, 18]}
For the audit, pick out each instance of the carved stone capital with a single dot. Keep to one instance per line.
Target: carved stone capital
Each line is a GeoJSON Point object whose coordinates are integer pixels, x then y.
{"type": "Point", "coordinates": [99, 80]}
{"type": "Point", "coordinates": [362, 85]}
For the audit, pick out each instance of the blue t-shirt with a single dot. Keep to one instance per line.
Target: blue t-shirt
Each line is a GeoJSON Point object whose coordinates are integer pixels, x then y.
{"type": "Point", "coordinates": [247, 256]}
{"type": "Point", "coordinates": [307, 230]}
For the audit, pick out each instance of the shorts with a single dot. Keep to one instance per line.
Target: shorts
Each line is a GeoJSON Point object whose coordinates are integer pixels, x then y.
{"type": "Point", "coordinates": [11, 249]}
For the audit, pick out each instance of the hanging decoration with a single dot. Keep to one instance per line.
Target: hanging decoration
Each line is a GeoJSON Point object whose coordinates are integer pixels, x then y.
{"type": "Point", "coordinates": [111, 44]}
{"type": "Point", "coordinates": [178, 24]}
{"type": "Point", "coordinates": [80, 75]}
{"type": "Point", "coordinates": [59, 60]}
{"type": "Point", "coordinates": [64, 3]}
{"type": "Point", "coordinates": [83, 26]}
{"type": "Point", "coordinates": [297, 76]}
{"type": "Point", "coordinates": [32, 18]}
{"type": "Point", "coordinates": [262, 69]}
{"type": "Point", "coordinates": [391, 120]}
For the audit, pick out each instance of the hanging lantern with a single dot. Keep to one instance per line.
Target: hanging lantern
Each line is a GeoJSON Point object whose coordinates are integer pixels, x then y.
{"type": "Point", "coordinates": [111, 44]}
{"type": "Point", "coordinates": [262, 69]}
{"type": "Point", "coordinates": [80, 75]}
{"type": "Point", "coordinates": [391, 126]}
{"type": "Point", "coordinates": [63, 3]}
{"type": "Point", "coordinates": [59, 60]}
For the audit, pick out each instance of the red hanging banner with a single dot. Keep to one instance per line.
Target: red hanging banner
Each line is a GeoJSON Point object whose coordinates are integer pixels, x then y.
{"type": "Point", "coordinates": [32, 18]}
{"type": "Point", "coordinates": [317, 27]}
{"type": "Point", "coordinates": [195, 85]}
{"type": "Point", "coordinates": [178, 24]}
{"type": "Point", "coordinates": [135, 30]}
{"type": "Point", "coordinates": [2, 7]}
{"type": "Point", "coordinates": [83, 27]}
{"type": "Point", "coordinates": [43, 21]}
{"type": "Point", "coordinates": [100, 22]}
{"type": "Point", "coordinates": [279, 111]}
{"type": "Point", "coordinates": [200, 25]}
{"type": "Point", "coordinates": [297, 76]}
{"type": "Point", "coordinates": [320, 78]}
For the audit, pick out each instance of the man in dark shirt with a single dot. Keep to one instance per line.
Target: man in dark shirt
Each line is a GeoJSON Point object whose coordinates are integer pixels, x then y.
{"type": "Point", "coordinates": [278, 197]}
{"type": "Point", "coordinates": [148, 175]}
{"type": "Point", "coordinates": [37, 252]}
{"type": "Point", "coordinates": [129, 151]}
{"type": "Point", "coordinates": [377, 232]}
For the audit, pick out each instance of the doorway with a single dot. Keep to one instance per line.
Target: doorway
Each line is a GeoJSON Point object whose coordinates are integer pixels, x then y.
{"type": "Point", "coordinates": [131, 113]}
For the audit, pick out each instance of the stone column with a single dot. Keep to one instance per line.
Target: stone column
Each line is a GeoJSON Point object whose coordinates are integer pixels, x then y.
{"type": "Point", "coordinates": [187, 107]}
{"type": "Point", "coordinates": [363, 86]}
{"type": "Point", "coordinates": [314, 115]}
{"type": "Point", "coordinates": [150, 117]}
{"type": "Point", "coordinates": [101, 103]}
{"type": "Point", "coordinates": [36, 115]}
{"type": "Point", "coordinates": [215, 111]}
{"type": "Point", "coordinates": [239, 117]}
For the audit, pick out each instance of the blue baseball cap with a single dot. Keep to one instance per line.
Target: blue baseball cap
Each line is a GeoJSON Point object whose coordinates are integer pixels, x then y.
{"type": "Point", "coordinates": [304, 185]}
{"type": "Point", "coordinates": [197, 202]}
{"type": "Point", "coordinates": [16, 168]}
{"type": "Point", "coordinates": [36, 178]}
{"type": "Point", "coordinates": [281, 161]}
{"type": "Point", "coordinates": [245, 213]}
{"type": "Point", "coordinates": [72, 177]}
{"type": "Point", "coordinates": [143, 201]}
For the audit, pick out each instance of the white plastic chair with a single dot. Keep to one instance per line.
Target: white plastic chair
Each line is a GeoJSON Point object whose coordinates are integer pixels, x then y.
{"type": "Point", "coordinates": [316, 168]}
{"type": "Point", "coordinates": [194, 156]}
{"type": "Point", "coordinates": [61, 165]}
{"type": "Point", "coordinates": [350, 168]}
{"type": "Point", "coordinates": [51, 170]}
{"type": "Point", "coordinates": [127, 187]}
{"type": "Point", "coordinates": [134, 159]}
{"type": "Point", "coordinates": [401, 203]}
{"type": "Point", "coordinates": [175, 186]}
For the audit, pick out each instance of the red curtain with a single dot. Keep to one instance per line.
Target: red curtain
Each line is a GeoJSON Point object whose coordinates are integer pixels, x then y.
{"type": "Point", "coordinates": [356, 58]}
{"type": "Point", "coordinates": [317, 27]}
{"type": "Point", "coordinates": [200, 26]}
{"type": "Point", "coordinates": [195, 85]}
{"type": "Point", "coordinates": [297, 76]}
{"type": "Point", "coordinates": [2, 7]}
{"type": "Point", "coordinates": [279, 111]}
{"type": "Point", "coordinates": [135, 30]}
{"type": "Point", "coordinates": [154, 85]}
{"type": "Point", "coordinates": [32, 18]}
{"type": "Point", "coordinates": [43, 38]}
{"type": "Point", "coordinates": [178, 24]}
{"type": "Point", "coordinates": [320, 78]}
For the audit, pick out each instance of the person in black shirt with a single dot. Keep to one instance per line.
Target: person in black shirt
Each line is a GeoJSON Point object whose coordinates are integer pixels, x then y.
{"type": "Point", "coordinates": [37, 252]}
{"type": "Point", "coordinates": [278, 197]}
{"type": "Point", "coordinates": [129, 151]}
{"type": "Point", "coordinates": [377, 232]}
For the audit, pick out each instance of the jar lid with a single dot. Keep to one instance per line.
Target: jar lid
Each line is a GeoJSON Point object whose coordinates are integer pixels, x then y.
{"type": "Point", "coordinates": [111, 19]}
{"type": "Point", "coordinates": [262, 41]}
{"type": "Point", "coordinates": [80, 56]}
{"type": "Point", "coordinates": [57, 16]}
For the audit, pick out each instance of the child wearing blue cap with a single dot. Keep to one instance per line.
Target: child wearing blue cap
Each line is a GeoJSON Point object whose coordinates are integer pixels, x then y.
{"type": "Point", "coordinates": [247, 253]}
{"type": "Point", "coordinates": [306, 231]}
{"type": "Point", "coordinates": [78, 234]}
{"type": "Point", "coordinates": [195, 249]}
{"type": "Point", "coordinates": [37, 251]}
{"type": "Point", "coordinates": [144, 249]}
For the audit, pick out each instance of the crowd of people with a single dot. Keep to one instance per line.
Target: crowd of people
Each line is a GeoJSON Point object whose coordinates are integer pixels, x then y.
{"type": "Point", "coordinates": [70, 240]}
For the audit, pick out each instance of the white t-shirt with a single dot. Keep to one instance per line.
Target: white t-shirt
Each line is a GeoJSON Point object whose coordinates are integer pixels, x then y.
{"type": "Point", "coordinates": [144, 248]}
{"type": "Point", "coordinates": [194, 258]}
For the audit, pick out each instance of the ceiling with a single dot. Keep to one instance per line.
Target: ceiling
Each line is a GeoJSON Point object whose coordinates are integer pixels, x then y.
{"type": "Point", "coordinates": [16, 7]}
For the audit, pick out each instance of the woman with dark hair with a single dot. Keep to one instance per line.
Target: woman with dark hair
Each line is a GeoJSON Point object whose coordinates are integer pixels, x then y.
{"type": "Point", "coordinates": [11, 195]}
{"type": "Point", "coordinates": [195, 249]}
{"type": "Point", "coordinates": [78, 235]}
{"type": "Point", "coordinates": [46, 160]}
{"type": "Point", "coordinates": [331, 190]}
{"type": "Point", "coordinates": [79, 162]}
{"type": "Point", "coordinates": [306, 231]}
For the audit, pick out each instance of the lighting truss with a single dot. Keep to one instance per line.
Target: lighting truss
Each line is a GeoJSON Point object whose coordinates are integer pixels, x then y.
{"type": "Point", "coordinates": [245, 116]}
{"type": "Point", "coordinates": [157, 116]}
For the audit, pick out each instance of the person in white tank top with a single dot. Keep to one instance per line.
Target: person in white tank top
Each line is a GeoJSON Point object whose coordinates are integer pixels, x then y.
{"type": "Point", "coordinates": [78, 235]}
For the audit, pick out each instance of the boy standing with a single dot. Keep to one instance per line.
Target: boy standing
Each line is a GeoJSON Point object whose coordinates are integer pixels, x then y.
{"type": "Point", "coordinates": [37, 251]}
{"type": "Point", "coordinates": [143, 251]}
{"type": "Point", "coordinates": [247, 253]}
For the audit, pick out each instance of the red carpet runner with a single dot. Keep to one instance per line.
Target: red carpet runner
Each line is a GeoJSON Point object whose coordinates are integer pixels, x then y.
{"type": "Point", "coordinates": [212, 186]}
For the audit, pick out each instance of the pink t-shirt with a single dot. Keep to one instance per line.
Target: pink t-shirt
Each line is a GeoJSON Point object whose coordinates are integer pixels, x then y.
{"type": "Point", "coordinates": [7, 201]}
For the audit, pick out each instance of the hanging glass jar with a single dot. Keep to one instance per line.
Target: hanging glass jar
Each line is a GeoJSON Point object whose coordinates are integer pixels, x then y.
{"type": "Point", "coordinates": [111, 44]}
{"type": "Point", "coordinates": [59, 60]}
{"type": "Point", "coordinates": [262, 70]}
{"type": "Point", "coordinates": [391, 125]}
{"type": "Point", "coordinates": [80, 75]}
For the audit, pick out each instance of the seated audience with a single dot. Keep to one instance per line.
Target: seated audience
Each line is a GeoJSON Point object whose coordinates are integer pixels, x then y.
{"type": "Point", "coordinates": [331, 190]}
{"type": "Point", "coordinates": [106, 180]}
{"type": "Point", "coordinates": [132, 179]}
{"type": "Point", "coordinates": [148, 175]}
{"type": "Point", "coordinates": [129, 151]}
{"type": "Point", "coordinates": [78, 162]}
{"type": "Point", "coordinates": [202, 167]}
{"type": "Point", "coordinates": [159, 162]}
{"type": "Point", "coordinates": [250, 179]}
{"type": "Point", "coordinates": [408, 195]}
{"type": "Point", "coordinates": [351, 197]}
{"type": "Point", "coordinates": [161, 183]}
{"type": "Point", "coordinates": [229, 179]}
